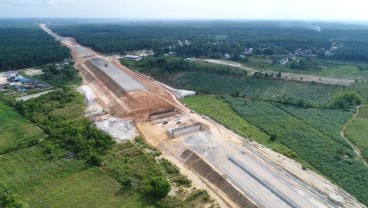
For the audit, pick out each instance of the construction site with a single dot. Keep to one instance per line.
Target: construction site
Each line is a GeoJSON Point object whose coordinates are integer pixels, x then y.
{"type": "Point", "coordinates": [235, 171]}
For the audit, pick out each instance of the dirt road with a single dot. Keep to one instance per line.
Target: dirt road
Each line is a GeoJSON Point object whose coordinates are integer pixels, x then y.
{"type": "Point", "coordinates": [287, 75]}
{"type": "Point", "coordinates": [356, 149]}
{"type": "Point", "coordinates": [27, 97]}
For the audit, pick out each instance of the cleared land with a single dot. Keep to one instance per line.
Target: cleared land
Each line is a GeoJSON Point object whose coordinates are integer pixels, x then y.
{"type": "Point", "coordinates": [357, 131]}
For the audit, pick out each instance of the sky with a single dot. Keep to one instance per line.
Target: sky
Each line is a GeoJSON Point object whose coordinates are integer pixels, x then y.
{"type": "Point", "coordinates": [327, 10]}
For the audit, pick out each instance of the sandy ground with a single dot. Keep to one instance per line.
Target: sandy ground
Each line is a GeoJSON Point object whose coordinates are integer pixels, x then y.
{"type": "Point", "coordinates": [178, 93]}
{"type": "Point", "coordinates": [3, 79]}
{"type": "Point", "coordinates": [90, 98]}
{"type": "Point", "coordinates": [216, 147]}
{"type": "Point", "coordinates": [289, 76]}
{"type": "Point", "coordinates": [27, 97]}
{"type": "Point", "coordinates": [119, 129]}
{"type": "Point", "coordinates": [32, 72]}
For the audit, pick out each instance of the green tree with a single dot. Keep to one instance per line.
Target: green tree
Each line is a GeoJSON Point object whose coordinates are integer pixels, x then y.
{"type": "Point", "coordinates": [160, 187]}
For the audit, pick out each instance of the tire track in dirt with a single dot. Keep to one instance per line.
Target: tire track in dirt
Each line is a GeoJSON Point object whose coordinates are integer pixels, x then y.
{"type": "Point", "coordinates": [356, 149]}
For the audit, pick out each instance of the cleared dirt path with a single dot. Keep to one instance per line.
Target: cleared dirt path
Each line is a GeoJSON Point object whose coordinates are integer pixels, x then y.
{"type": "Point", "coordinates": [287, 75]}
{"type": "Point", "coordinates": [27, 97]}
{"type": "Point", "coordinates": [356, 149]}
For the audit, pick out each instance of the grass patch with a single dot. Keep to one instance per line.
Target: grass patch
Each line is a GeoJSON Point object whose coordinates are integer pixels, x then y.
{"type": "Point", "coordinates": [328, 122]}
{"type": "Point", "coordinates": [124, 160]}
{"type": "Point", "coordinates": [221, 111]}
{"type": "Point", "coordinates": [357, 131]}
{"type": "Point", "coordinates": [88, 188]}
{"type": "Point", "coordinates": [257, 88]}
{"type": "Point", "coordinates": [16, 132]}
{"type": "Point", "coordinates": [40, 182]}
{"type": "Point", "coordinates": [23, 169]}
{"type": "Point", "coordinates": [331, 68]}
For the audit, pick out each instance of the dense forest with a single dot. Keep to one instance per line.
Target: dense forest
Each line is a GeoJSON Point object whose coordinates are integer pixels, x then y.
{"type": "Point", "coordinates": [22, 47]}
{"type": "Point", "coordinates": [207, 39]}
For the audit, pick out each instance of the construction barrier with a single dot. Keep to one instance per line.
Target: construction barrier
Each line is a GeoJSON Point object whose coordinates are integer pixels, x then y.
{"type": "Point", "coordinates": [182, 130]}
{"type": "Point", "coordinates": [163, 114]}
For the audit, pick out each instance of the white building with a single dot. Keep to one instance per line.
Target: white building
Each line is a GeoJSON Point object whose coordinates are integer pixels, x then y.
{"type": "Point", "coordinates": [132, 57]}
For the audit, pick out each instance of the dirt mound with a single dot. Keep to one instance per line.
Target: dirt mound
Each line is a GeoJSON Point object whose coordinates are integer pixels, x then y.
{"type": "Point", "coordinates": [137, 105]}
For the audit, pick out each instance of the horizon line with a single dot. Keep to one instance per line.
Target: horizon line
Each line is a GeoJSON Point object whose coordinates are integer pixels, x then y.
{"type": "Point", "coordinates": [197, 19]}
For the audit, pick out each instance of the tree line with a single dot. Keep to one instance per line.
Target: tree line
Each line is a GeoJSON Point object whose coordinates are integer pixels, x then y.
{"type": "Point", "coordinates": [158, 66]}
{"type": "Point", "coordinates": [28, 47]}
{"type": "Point", "coordinates": [215, 40]}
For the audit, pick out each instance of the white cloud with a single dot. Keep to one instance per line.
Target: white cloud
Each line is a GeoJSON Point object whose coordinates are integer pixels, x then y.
{"type": "Point", "coordinates": [45, 3]}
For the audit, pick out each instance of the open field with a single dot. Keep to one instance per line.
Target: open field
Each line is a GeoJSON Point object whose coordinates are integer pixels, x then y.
{"type": "Point", "coordinates": [329, 156]}
{"type": "Point", "coordinates": [357, 131]}
{"type": "Point", "coordinates": [23, 170]}
{"type": "Point", "coordinates": [328, 122]}
{"type": "Point", "coordinates": [65, 182]}
{"type": "Point", "coordinates": [78, 190]}
{"type": "Point", "coordinates": [258, 88]}
{"type": "Point", "coordinates": [16, 132]}
{"type": "Point", "coordinates": [362, 89]}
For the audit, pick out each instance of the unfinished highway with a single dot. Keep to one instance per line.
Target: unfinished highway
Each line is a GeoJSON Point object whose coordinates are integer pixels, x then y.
{"type": "Point", "coordinates": [243, 169]}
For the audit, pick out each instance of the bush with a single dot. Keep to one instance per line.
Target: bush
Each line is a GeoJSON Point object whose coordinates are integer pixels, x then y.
{"type": "Point", "coordinates": [159, 187]}
{"type": "Point", "coordinates": [8, 201]}
{"type": "Point", "coordinates": [59, 77]}
{"type": "Point", "coordinates": [70, 130]}
{"type": "Point", "coordinates": [345, 101]}
{"type": "Point", "coordinates": [181, 180]}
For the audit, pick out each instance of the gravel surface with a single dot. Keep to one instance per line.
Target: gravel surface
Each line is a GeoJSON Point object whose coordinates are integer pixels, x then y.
{"type": "Point", "coordinates": [119, 129]}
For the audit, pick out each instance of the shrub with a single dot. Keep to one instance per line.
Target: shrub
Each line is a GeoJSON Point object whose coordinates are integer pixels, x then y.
{"type": "Point", "coordinates": [8, 201]}
{"type": "Point", "coordinates": [345, 101]}
{"type": "Point", "coordinates": [159, 187]}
